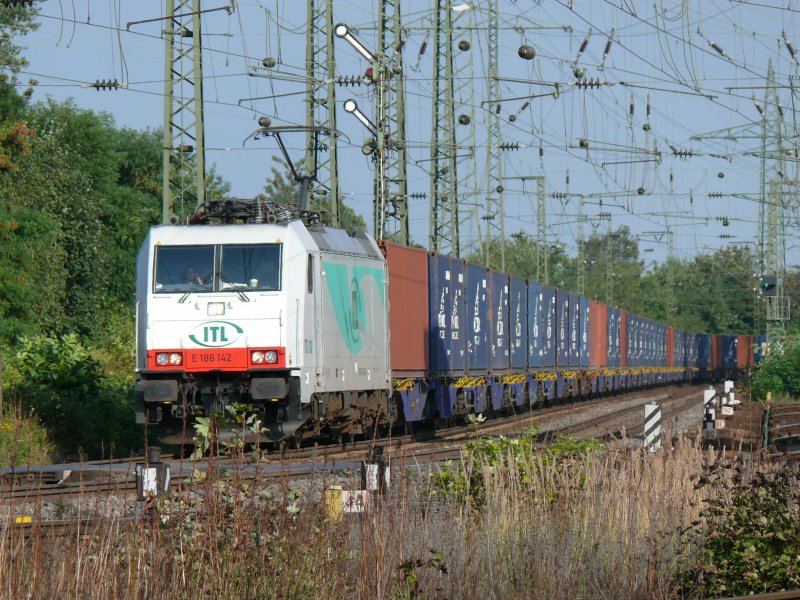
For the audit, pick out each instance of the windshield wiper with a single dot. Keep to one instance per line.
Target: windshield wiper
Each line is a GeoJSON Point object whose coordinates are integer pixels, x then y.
{"type": "Point", "coordinates": [193, 286]}
{"type": "Point", "coordinates": [242, 296]}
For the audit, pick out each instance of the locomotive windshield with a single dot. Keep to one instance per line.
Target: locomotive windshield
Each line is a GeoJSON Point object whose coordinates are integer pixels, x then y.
{"type": "Point", "coordinates": [252, 266]}
{"type": "Point", "coordinates": [184, 268]}
{"type": "Point", "coordinates": [239, 267]}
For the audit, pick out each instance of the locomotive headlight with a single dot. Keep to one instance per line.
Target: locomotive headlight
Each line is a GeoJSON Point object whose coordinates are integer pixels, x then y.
{"type": "Point", "coordinates": [257, 357]}
{"type": "Point", "coordinates": [271, 356]}
{"type": "Point", "coordinates": [162, 359]}
{"type": "Point", "coordinates": [175, 358]}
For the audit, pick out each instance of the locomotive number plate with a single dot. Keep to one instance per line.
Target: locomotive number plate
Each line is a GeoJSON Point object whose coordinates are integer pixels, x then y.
{"type": "Point", "coordinates": [211, 358]}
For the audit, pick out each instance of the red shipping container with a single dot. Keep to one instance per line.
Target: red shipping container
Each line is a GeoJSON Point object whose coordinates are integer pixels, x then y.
{"type": "Point", "coordinates": [598, 334]}
{"type": "Point", "coordinates": [408, 309]}
{"type": "Point", "coordinates": [670, 346]}
{"type": "Point", "coordinates": [623, 338]}
{"type": "Point", "coordinates": [716, 351]}
{"type": "Point", "coordinates": [744, 351]}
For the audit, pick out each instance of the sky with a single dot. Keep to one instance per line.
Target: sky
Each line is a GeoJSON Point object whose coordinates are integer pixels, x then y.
{"type": "Point", "coordinates": [669, 140]}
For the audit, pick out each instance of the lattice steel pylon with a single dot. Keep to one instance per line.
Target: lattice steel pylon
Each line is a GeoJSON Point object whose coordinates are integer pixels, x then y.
{"type": "Point", "coordinates": [609, 266]}
{"type": "Point", "coordinates": [184, 180]}
{"type": "Point", "coordinates": [494, 239]}
{"type": "Point", "coordinates": [464, 110]}
{"type": "Point", "coordinates": [542, 246]}
{"type": "Point", "coordinates": [321, 158]}
{"type": "Point", "coordinates": [581, 248]}
{"type": "Point", "coordinates": [444, 222]}
{"type": "Point", "coordinates": [391, 180]}
{"type": "Point", "coordinates": [776, 197]}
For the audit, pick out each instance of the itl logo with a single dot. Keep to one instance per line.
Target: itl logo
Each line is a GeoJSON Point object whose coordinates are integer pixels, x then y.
{"type": "Point", "coordinates": [216, 334]}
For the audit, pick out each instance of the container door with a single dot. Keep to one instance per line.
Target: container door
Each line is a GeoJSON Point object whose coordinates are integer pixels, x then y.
{"type": "Point", "coordinates": [518, 330]}
{"type": "Point", "coordinates": [478, 320]}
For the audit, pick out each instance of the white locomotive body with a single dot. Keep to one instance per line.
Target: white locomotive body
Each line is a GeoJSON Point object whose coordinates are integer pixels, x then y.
{"type": "Point", "coordinates": [289, 318]}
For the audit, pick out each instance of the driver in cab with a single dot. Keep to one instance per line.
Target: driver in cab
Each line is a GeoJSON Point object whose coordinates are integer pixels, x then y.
{"type": "Point", "coordinates": [191, 277]}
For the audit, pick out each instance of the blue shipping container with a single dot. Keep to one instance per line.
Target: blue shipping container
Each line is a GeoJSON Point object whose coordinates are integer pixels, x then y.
{"type": "Point", "coordinates": [499, 356]}
{"type": "Point", "coordinates": [730, 345]}
{"type": "Point", "coordinates": [703, 350]}
{"type": "Point", "coordinates": [477, 301]}
{"type": "Point", "coordinates": [631, 341]}
{"type": "Point", "coordinates": [535, 320]}
{"type": "Point", "coordinates": [549, 327]}
{"type": "Point", "coordinates": [446, 308]}
{"type": "Point", "coordinates": [612, 328]}
{"type": "Point", "coordinates": [584, 362]}
{"type": "Point", "coordinates": [518, 328]}
{"type": "Point", "coordinates": [574, 330]}
{"type": "Point", "coordinates": [562, 328]}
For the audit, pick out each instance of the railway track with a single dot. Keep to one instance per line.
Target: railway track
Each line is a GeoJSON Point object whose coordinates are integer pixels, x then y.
{"type": "Point", "coordinates": [781, 430]}
{"type": "Point", "coordinates": [624, 413]}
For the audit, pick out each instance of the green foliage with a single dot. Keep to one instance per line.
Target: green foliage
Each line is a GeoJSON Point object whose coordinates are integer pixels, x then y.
{"type": "Point", "coordinates": [14, 22]}
{"type": "Point", "coordinates": [749, 535]}
{"type": "Point", "coordinates": [23, 441]}
{"type": "Point", "coordinates": [778, 373]}
{"type": "Point", "coordinates": [59, 379]}
{"type": "Point", "coordinates": [410, 590]}
{"type": "Point", "coordinates": [466, 482]}
{"type": "Point", "coordinates": [239, 419]}
{"type": "Point", "coordinates": [31, 293]}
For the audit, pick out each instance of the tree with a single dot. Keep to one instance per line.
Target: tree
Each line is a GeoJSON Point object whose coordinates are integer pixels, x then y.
{"type": "Point", "coordinates": [626, 268]}
{"type": "Point", "coordinates": [14, 22]}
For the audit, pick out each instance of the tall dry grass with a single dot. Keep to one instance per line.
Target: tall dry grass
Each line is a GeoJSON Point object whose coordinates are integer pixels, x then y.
{"type": "Point", "coordinates": [605, 527]}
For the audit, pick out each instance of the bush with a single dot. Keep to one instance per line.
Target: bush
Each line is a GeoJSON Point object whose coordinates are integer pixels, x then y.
{"type": "Point", "coordinates": [23, 441]}
{"type": "Point", "coordinates": [59, 379]}
{"type": "Point", "coordinates": [749, 533]}
{"type": "Point", "coordinates": [467, 481]}
{"type": "Point", "coordinates": [778, 372]}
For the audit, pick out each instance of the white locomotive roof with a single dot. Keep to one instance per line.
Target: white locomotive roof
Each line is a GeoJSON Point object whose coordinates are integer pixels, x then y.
{"type": "Point", "coordinates": [339, 241]}
{"type": "Point", "coordinates": [327, 239]}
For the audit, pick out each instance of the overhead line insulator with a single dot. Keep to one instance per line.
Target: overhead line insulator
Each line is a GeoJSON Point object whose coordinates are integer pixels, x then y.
{"type": "Point", "coordinates": [105, 84]}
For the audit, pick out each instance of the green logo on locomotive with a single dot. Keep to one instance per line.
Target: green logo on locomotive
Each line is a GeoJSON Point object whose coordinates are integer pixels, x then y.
{"type": "Point", "coordinates": [216, 334]}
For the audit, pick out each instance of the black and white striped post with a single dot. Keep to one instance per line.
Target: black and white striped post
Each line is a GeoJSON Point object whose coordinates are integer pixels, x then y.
{"type": "Point", "coordinates": [652, 427]}
{"type": "Point", "coordinates": [709, 413]}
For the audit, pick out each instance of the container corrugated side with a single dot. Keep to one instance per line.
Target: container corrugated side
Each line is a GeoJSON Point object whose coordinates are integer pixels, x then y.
{"type": "Point", "coordinates": [631, 341]}
{"type": "Point", "coordinates": [549, 321]}
{"type": "Point", "coordinates": [408, 309]}
{"type": "Point", "coordinates": [447, 315]}
{"type": "Point", "coordinates": [499, 352]}
{"type": "Point", "coordinates": [704, 351]}
{"type": "Point", "coordinates": [623, 338]}
{"type": "Point", "coordinates": [574, 330]}
{"type": "Point", "coordinates": [585, 330]}
{"type": "Point", "coordinates": [598, 334]}
{"type": "Point", "coordinates": [671, 346]}
{"type": "Point", "coordinates": [477, 301]}
{"type": "Point", "coordinates": [562, 328]}
{"type": "Point", "coordinates": [535, 324]}
{"type": "Point", "coordinates": [730, 349]}
{"type": "Point", "coordinates": [518, 323]}
{"type": "Point", "coordinates": [613, 344]}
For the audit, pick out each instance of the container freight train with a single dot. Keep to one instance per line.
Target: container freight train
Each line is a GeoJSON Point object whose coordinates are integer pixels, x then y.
{"type": "Point", "coordinates": [328, 333]}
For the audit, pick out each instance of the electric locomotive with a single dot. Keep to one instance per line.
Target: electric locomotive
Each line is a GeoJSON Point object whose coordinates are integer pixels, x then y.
{"type": "Point", "coordinates": [254, 302]}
